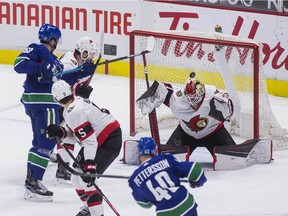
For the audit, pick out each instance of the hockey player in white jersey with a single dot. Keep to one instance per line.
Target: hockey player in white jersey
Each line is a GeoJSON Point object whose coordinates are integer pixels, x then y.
{"type": "Point", "coordinates": [201, 111]}
{"type": "Point", "coordinates": [99, 135]}
{"type": "Point", "coordinates": [83, 55]}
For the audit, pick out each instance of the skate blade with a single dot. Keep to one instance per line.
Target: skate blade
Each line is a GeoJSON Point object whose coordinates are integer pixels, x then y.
{"type": "Point", "coordinates": [62, 182]}
{"type": "Point", "coordinates": [37, 197]}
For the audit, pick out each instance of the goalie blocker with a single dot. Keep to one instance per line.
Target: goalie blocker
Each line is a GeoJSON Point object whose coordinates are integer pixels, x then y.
{"type": "Point", "coordinates": [233, 157]}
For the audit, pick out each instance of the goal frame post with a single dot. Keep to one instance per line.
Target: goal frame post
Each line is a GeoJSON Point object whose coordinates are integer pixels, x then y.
{"type": "Point", "coordinates": [170, 35]}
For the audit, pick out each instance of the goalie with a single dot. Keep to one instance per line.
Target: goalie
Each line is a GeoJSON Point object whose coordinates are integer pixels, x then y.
{"type": "Point", "coordinates": [201, 111]}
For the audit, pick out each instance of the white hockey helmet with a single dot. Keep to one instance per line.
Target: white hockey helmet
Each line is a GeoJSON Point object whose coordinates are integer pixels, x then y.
{"type": "Point", "coordinates": [61, 90]}
{"type": "Point", "coordinates": [87, 44]}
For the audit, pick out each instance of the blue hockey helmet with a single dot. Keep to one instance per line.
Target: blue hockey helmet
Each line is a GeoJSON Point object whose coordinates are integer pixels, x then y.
{"type": "Point", "coordinates": [48, 32]}
{"type": "Point", "coordinates": [147, 146]}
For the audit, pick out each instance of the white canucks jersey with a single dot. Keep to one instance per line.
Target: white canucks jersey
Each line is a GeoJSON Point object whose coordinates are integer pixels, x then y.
{"type": "Point", "coordinates": [197, 123]}
{"type": "Point", "coordinates": [89, 124]}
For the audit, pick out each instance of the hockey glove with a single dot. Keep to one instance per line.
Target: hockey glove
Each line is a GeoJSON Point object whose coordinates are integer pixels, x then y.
{"type": "Point", "coordinates": [152, 98]}
{"type": "Point", "coordinates": [90, 168]}
{"type": "Point", "coordinates": [198, 183]}
{"type": "Point", "coordinates": [46, 73]}
{"type": "Point", "coordinates": [56, 132]}
{"type": "Point", "coordinates": [82, 90]}
{"type": "Point", "coordinates": [88, 68]}
{"type": "Point", "coordinates": [221, 107]}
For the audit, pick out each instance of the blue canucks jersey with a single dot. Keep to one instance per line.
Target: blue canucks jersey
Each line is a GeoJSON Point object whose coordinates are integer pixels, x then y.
{"type": "Point", "coordinates": [157, 182]}
{"type": "Point", "coordinates": [29, 62]}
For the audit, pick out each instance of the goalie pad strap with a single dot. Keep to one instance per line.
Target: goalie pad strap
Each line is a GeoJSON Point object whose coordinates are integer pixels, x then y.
{"type": "Point", "coordinates": [168, 96]}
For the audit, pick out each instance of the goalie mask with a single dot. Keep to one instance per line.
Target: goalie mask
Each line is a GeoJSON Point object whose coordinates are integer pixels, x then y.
{"type": "Point", "coordinates": [61, 90]}
{"type": "Point", "coordinates": [194, 91]}
{"type": "Point", "coordinates": [147, 146]}
{"type": "Point", "coordinates": [86, 44]}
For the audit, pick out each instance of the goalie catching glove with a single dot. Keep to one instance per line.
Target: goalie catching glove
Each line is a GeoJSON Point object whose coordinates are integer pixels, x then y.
{"type": "Point", "coordinates": [152, 98]}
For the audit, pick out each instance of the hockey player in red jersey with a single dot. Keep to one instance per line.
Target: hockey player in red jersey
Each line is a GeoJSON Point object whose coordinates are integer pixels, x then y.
{"type": "Point", "coordinates": [83, 55]}
{"type": "Point", "coordinates": [99, 136]}
{"type": "Point", "coordinates": [201, 111]}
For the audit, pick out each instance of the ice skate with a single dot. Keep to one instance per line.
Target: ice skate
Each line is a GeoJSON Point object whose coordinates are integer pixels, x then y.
{"type": "Point", "coordinates": [53, 157]}
{"type": "Point", "coordinates": [36, 191]}
{"type": "Point", "coordinates": [84, 211]}
{"type": "Point", "coordinates": [62, 175]}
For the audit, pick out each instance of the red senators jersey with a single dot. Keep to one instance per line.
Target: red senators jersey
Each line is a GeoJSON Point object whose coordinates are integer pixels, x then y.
{"type": "Point", "coordinates": [89, 124]}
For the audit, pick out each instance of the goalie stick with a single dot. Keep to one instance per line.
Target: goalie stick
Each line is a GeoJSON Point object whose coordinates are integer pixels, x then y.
{"type": "Point", "coordinates": [152, 116]}
{"type": "Point", "coordinates": [93, 183]}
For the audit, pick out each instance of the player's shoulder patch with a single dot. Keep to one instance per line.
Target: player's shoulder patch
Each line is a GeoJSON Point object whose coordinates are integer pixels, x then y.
{"type": "Point", "coordinates": [74, 62]}
{"type": "Point", "coordinates": [70, 108]}
{"type": "Point", "coordinates": [179, 93]}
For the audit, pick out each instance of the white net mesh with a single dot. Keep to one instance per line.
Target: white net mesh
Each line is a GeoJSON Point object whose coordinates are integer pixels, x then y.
{"type": "Point", "coordinates": [231, 68]}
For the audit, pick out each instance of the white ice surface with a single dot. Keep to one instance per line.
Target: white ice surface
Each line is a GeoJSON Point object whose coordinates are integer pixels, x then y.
{"type": "Point", "coordinates": [259, 190]}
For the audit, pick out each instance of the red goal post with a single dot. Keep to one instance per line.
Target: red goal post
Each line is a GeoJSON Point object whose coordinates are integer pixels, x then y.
{"type": "Point", "coordinates": [236, 67]}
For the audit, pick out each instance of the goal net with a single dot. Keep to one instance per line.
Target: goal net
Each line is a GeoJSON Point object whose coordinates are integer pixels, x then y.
{"type": "Point", "coordinates": [228, 62]}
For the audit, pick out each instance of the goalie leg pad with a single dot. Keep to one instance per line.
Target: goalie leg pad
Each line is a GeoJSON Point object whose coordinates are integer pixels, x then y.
{"type": "Point", "coordinates": [130, 152]}
{"type": "Point", "coordinates": [242, 155]}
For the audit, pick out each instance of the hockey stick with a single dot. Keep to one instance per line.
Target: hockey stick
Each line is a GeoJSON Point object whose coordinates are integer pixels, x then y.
{"type": "Point", "coordinates": [93, 183]}
{"type": "Point", "coordinates": [99, 57]}
{"type": "Point", "coordinates": [148, 49]}
{"type": "Point", "coordinates": [78, 69]}
{"type": "Point", "coordinates": [74, 172]}
{"type": "Point", "coordinates": [152, 116]}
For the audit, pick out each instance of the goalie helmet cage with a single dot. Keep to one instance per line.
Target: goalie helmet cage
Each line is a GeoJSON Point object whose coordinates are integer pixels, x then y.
{"type": "Point", "coordinates": [228, 62]}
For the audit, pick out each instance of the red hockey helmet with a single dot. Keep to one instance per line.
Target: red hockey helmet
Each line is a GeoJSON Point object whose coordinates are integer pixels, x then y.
{"type": "Point", "coordinates": [194, 91]}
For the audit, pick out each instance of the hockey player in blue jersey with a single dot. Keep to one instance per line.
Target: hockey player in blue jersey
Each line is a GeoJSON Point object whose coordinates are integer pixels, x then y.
{"type": "Point", "coordinates": [157, 181]}
{"type": "Point", "coordinates": [39, 63]}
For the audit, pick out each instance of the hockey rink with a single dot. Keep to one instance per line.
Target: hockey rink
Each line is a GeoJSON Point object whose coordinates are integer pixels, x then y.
{"type": "Point", "coordinates": [259, 190]}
